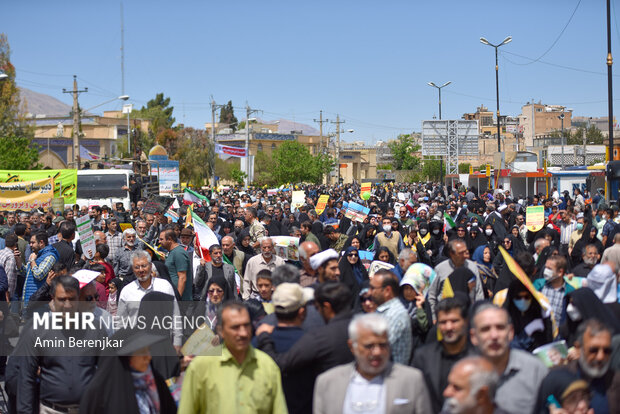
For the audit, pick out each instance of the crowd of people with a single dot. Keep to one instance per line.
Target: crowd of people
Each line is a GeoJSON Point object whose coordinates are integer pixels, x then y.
{"type": "Point", "coordinates": [442, 299]}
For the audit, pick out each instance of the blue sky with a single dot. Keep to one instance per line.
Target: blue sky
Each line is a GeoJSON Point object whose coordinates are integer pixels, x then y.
{"type": "Point", "coordinates": [368, 61]}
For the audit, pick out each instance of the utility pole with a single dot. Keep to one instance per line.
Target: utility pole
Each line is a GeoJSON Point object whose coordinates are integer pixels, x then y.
{"type": "Point", "coordinates": [562, 138]}
{"type": "Point", "coordinates": [320, 122]}
{"type": "Point", "coordinates": [338, 122]}
{"type": "Point", "coordinates": [76, 122]}
{"type": "Point", "coordinates": [584, 145]}
{"type": "Point", "coordinates": [248, 111]}
{"type": "Point", "coordinates": [122, 52]}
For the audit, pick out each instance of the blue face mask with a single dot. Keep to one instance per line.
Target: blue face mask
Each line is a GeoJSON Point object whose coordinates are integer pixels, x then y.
{"type": "Point", "coordinates": [522, 304]}
{"type": "Point", "coordinates": [579, 226]}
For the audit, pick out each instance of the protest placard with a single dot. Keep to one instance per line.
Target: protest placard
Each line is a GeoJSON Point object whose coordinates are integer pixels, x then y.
{"type": "Point", "coordinates": [125, 226]}
{"type": "Point", "coordinates": [376, 266]}
{"type": "Point", "coordinates": [298, 200]}
{"type": "Point", "coordinates": [320, 205]}
{"type": "Point", "coordinates": [87, 238]}
{"type": "Point", "coordinates": [535, 218]}
{"type": "Point", "coordinates": [157, 204]}
{"type": "Point", "coordinates": [356, 212]}
{"type": "Point", "coordinates": [286, 247]}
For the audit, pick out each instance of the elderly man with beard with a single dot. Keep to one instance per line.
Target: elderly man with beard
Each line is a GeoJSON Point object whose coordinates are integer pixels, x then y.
{"type": "Point", "coordinates": [471, 388]}
{"type": "Point", "coordinates": [372, 382]}
{"type": "Point", "coordinates": [216, 267]}
{"type": "Point", "coordinates": [590, 258]}
{"type": "Point", "coordinates": [132, 294]}
{"type": "Point", "coordinates": [265, 260]}
{"type": "Point", "coordinates": [594, 366]}
{"type": "Point", "coordinates": [122, 262]}
{"type": "Point", "coordinates": [307, 276]}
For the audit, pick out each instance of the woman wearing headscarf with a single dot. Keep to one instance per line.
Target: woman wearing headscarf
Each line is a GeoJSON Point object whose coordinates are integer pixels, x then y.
{"type": "Point", "coordinates": [368, 236]}
{"type": "Point", "coordinates": [518, 241]}
{"type": "Point", "coordinates": [581, 305]}
{"type": "Point", "coordinates": [483, 256]}
{"type": "Point", "coordinates": [531, 328]}
{"type": "Point", "coordinates": [413, 288]}
{"type": "Point", "coordinates": [493, 239]}
{"type": "Point", "coordinates": [509, 244]}
{"type": "Point", "coordinates": [352, 271]}
{"type": "Point", "coordinates": [126, 382]}
{"type": "Point", "coordinates": [589, 237]}
{"type": "Point", "coordinates": [475, 239]}
{"type": "Point", "coordinates": [243, 243]}
{"type": "Point", "coordinates": [154, 307]}
{"type": "Point", "coordinates": [421, 242]}
{"type": "Point", "coordinates": [383, 254]}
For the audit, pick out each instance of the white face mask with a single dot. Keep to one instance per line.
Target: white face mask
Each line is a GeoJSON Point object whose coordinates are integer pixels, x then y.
{"type": "Point", "coordinates": [573, 313]}
{"type": "Point", "coordinates": [436, 231]}
{"type": "Point", "coordinates": [549, 274]}
{"type": "Point", "coordinates": [423, 232]}
{"type": "Point", "coordinates": [488, 232]}
{"type": "Point", "coordinates": [387, 228]}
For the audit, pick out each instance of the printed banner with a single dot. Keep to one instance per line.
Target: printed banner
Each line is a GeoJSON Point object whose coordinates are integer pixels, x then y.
{"type": "Point", "coordinates": [286, 247]}
{"type": "Point", "coordinates": [26, 195]}
{"type": "Point", "coordinates": [365, 190]}
{"type": "Point", "coordinates": [87, 238]}
{"type": "Point", "coordinates": [65, 181]}
{"type": "Point", "coordinates": [356, 212]}
{"type": "Point", "coordinates": [272, 191]}
{"type": "Point", "coordinates": [230, 151]}
{"type": "Point", "coordinates": [320, 205]}
{"type": "Point", "coordinates": [535, 218]}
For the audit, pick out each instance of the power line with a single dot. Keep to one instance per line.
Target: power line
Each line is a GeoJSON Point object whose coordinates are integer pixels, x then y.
{"type": "Point", "coordinates": [556, 39]}
{"type": "Point", "coordinates": [551, 64]}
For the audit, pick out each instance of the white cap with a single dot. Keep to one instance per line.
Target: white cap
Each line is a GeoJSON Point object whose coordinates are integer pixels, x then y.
{"type": "Point", "coordinates": [322, 257]}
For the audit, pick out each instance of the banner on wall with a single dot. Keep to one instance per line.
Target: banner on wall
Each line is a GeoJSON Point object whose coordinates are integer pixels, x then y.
{"type": "Point", "coordinates": [65, 181]}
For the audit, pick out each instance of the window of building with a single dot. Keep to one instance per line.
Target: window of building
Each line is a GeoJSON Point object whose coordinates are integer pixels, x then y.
{"type": "Point", "coordinates": [260, 147]}
{"type": "Point", "coordinates": [273, 147]}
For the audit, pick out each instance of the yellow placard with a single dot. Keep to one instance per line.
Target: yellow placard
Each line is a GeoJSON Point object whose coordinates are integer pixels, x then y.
{"type": "Point", "coordinates": [65, 181]}
{"type": "Point", "coordinates": [125, 226]}
{"type": "Point", "coordinates": [471, 169]}
{"type": "Point", "coordinates": [27, 195]}
{"type": "Point", "coordinates": [320, 205]}
{"type": "Point", "coordinates": [535, 218]}
{"type": "Point", "coordinates": [488, 171]}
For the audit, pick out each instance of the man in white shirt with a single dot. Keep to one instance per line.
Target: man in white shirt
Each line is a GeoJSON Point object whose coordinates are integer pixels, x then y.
{"type": "Point", "coordinates": [132, 294]}
{"type": "Point", "coordinates": [265, 260]}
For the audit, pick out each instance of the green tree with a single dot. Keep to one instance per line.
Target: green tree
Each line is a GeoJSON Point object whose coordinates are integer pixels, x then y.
{"type": "Point", "coordinates": [293, 163]}
{"type": "Point", "coordinates": [195, 156]}
{"type": "Point", "coordinates": [263, 169]}
{"type": "Point", "coordinates": [464, 168]}
{"type": "Point", "coordinates": [432, 169]}
{"type": "Point", "coordinates": [227, 116]}
{"type": "Point", "coordinates": [238, 176]}
{"type": "Point", "coordinates": [224, 168]}
{"type": "Point", "coordinates": [402, 151]}
{"type": "Point", "coordinates": [159, 112]}
{"type": "Point", "coordinates": [16, 148]}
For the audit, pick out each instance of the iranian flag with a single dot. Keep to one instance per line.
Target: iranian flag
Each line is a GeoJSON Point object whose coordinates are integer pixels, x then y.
{"type": "Point", "coordinates": [448, 223]}
{"type": "Point", "coordinates": [205, 237]}
{"type": "Point", "coordinates": [409, 206]}
{"type": "Point", "coordinates": [191, 197]}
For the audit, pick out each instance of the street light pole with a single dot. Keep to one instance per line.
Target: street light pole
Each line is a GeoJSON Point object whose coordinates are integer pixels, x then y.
{"type": "Point", "coordinates": [440, 157]}
{"type": "Point", "coordinates": [486, 42]}
{"type": "Point", "coordinates": [562, 138]}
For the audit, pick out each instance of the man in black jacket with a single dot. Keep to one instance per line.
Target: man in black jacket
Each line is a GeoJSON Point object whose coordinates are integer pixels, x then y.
{"type": "Point", "coordinates": [322, 348]}
{"type": "Point", "coordinates": [436, 359]}
{"type": "Point", "coordinates": [65, 245]}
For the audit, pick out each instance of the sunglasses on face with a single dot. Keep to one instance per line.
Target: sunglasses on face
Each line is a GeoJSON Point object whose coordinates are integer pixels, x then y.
{"type": "Point", "coordinates": [352, 255]}
{"type": "Point", "coordinates": [90, 298]}
{"type": "Point", "coordinates": [218, 291]}
{"type": "Point", "coordinates": [366, 299]}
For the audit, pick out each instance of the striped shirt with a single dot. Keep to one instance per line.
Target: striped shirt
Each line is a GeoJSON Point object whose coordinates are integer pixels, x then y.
{"type": "Point", "coordinates": [7, 261]}
{"type": "Point", "coordinates": [566, 230]}
{"type": "Point", "coordinates": [399, 329]}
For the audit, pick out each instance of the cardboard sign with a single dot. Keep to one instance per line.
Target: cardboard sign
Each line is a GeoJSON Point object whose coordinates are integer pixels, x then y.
{"type": "Point", "coordinates": [87, 238]}
{"type": "Point", "coordinates": [320, 205]}
{"type": "Point", "coordinates": [535, 218]}
{"type": "Point", "coordinates": [157, 204]}
{"type": "Point", "coordinates": [125, 226]}
{"type": "Point", "coordinates": [298, 200]}
{"type": "Point", "coordinates": [356, 212]}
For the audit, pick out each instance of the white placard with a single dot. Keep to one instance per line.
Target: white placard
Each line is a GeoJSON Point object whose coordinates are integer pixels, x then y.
{"type": "Point", "coordinates": [87, 238]}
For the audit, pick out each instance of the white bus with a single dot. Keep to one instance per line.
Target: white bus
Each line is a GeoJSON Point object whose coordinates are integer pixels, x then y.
{"type": "Point", "coordinates": [103, 187]}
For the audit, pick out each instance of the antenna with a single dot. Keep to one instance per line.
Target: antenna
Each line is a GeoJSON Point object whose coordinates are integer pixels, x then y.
{"type": "Point", "coordinates": [122, 52]}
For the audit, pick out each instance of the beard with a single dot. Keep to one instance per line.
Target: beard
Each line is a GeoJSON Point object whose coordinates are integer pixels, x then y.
{"type": "Point", "coordinates": [590, 261]}
{"type": "Point", "coordinates": [452, 406]}
{"type": "Point", "coordinates": [596, 371]}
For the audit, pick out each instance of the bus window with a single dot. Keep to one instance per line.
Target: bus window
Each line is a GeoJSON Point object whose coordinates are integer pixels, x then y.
{"type": "Point", "coordinates": [101, 186]}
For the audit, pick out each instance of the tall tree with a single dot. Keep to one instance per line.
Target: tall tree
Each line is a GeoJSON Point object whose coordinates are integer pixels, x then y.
{"type": "Point", "coordinates": [159, 112]}
{"type": "Point", "coordinates": [402, 151]}
{"type": "Point", "coordinates": [16, 148]}
{"type": "Point", "coordinates": [293, 163]}
{"type": "Point", "coordinates": [194, 154]}
{"type": "Point", "coordinates": [227, 116]}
